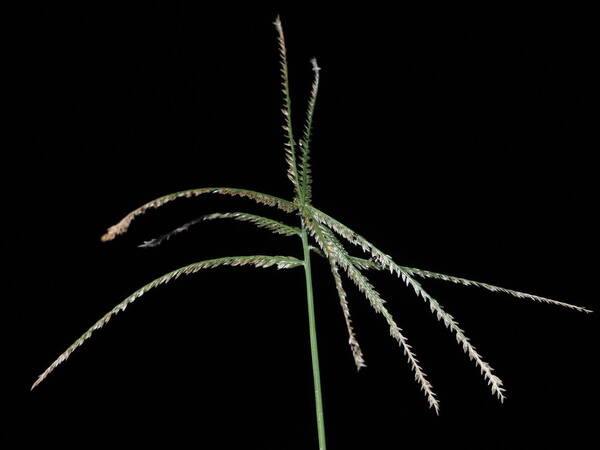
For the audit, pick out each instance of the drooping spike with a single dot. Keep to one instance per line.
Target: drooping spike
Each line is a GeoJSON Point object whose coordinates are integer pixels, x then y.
{"type": "Point", "coordinates": [281, 262]}
{"type": "Point", "coordinates": [354, 345]}
{"type": "Point", "coordinates": [335, 251]}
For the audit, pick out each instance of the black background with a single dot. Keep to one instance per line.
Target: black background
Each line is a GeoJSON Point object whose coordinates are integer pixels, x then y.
{"type": "Point", "coordinates": [457, 140]}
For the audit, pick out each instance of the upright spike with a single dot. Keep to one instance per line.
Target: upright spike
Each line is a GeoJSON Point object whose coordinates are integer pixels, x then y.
{"type": "Point", "coordinates": [289, 145]}
{"type": "Point", "coordinates": [305, 170]}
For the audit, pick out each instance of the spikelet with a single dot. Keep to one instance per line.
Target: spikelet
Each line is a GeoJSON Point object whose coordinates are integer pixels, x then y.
{"type": "Point", "coordinates": [260, 221]}
{"type": "Point", "coordinates": [281, 262]}
{"type": "Point", "coordinates": [490, 287]}
{"type": "Point", "coordinates": [316, 250]}
{"type": "Point", "coordinates": [370, 264]}
{"type": "Point", "coordinates": [354, 345]}
{"type": "Point", "coordinates": [123, 225]}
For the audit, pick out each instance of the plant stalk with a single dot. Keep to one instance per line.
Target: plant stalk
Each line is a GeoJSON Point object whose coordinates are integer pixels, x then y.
{"type": "Point", "coordinates": [314, 351]}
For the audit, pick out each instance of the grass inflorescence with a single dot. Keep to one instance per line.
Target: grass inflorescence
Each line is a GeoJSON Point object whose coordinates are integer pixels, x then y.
{"type": "Point", "coordinates": [329, 237]}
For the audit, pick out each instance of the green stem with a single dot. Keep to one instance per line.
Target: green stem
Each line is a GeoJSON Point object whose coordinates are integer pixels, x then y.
{"type": "Point", "coordinates": [314, 351]}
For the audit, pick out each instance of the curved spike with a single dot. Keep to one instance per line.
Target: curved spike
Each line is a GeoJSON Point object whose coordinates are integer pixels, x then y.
{"type": "Point", "coordinates": [265, 199]}
{"type": "Point", "coordinates": [282, 262]}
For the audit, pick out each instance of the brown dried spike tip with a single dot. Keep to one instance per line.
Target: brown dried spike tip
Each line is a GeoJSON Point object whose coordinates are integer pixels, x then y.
{"type": "Point", "coordinates": [265, 199]}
